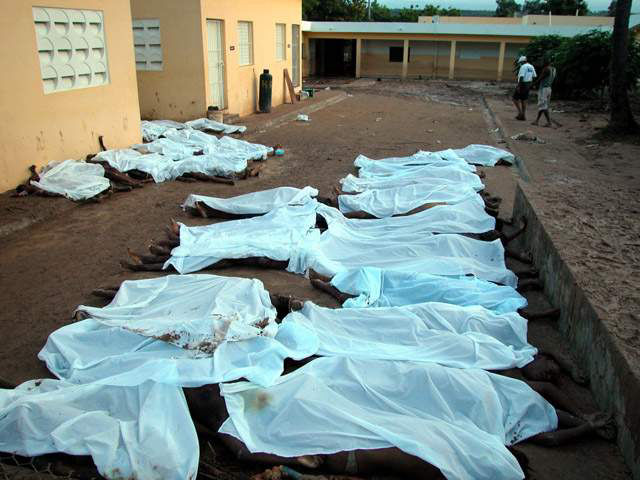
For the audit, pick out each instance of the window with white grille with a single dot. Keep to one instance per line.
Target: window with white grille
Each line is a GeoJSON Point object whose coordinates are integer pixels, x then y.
{"type": "Point", "coordinates": [147, 44]}
{"type": "Point", "coordinates": [71, 48]}
{"type": "Point", "coordinates": [281, 41]}
{"type": "Point", "coordinates": [245, 43]}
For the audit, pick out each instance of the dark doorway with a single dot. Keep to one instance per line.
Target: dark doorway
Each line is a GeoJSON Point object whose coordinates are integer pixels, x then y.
{"type": "Point", "coordinates": [335, 58]}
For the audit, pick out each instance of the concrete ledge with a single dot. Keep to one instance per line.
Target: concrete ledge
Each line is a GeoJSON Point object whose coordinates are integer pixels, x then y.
{"type": "Point", "coordinates": [615, 385]}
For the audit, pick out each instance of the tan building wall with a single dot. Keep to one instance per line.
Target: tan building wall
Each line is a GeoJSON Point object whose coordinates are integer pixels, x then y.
{"type": "Point", "coordinates": [178, 91]}
{"type": "Point", "coordinates": [525, 20]}
{"type": "Point", "coordinates": [476, 57]}
{"type": "Point", "coordinates": [429, 59]}
{"type": "Point", "coordinates": [474, 20]}
{"type": "Point", "coordinates": [181, 90]}
{"type": "Point", "coordinates": [477, 61]}
{"type": "Point", "coordinates": [375, 59]}
{"type": "Point", "coordinates": [37, 128]}
{"type": "Point", "coordinates": [566, 20]}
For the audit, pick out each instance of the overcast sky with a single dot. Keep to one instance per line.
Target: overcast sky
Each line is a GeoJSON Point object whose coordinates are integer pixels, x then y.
{"type": "Point", "coordinates": [480, 4]}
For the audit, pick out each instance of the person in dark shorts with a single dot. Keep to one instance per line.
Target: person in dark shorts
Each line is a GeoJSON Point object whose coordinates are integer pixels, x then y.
{"type": "Point", "coordinates": [526, 75]}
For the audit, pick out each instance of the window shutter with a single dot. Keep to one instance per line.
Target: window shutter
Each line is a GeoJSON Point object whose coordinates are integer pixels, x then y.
{"type": "Point", "coordinates": [280, 41]}
{"type": "Point", "coordinates": [245, 43]}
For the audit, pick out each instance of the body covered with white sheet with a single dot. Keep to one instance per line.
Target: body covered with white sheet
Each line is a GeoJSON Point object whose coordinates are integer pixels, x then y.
{"type": "Point", "coordinates": [369, 168]}
{"type": "Point", "coordinates": [130, 432]}
{"type": "Point", "coordinates": [391, 201]}
{"type": "Point", "coordinates": [160, 167]}
{"type": "Point", "coordinates": [72, 179]}
{"type": "Point", "coordinates": [341, 248]}
{"type": "Point", "coordinates": [428, 177]}
{"type": "Point", "coordinates": [375, 287]}
{"type": "Point", "coordinates": [276, 235]}
{"type": "Point", "coordinates": [188, 330]}
{"type": "Point", "coordinates": [466, 217]}
{"type": "Point", "coordinates": [484, 155]}
{"type": "Point", "coordinates": [255, 203]}
{"type": "Point", "coordinates": [450, 335]}
{"type": "Point", "coordinates": [457, 420]}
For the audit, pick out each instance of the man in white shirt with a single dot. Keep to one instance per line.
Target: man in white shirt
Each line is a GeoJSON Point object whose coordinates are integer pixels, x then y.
{"type": "Point", "coordinates": [526, 75]}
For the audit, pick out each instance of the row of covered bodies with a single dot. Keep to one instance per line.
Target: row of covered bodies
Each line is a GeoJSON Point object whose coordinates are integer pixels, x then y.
{"type": "Point", "coordinates": [403, 363]}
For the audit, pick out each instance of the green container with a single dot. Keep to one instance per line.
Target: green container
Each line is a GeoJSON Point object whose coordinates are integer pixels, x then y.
{"type": "Point", "coordinates": [310, 91]}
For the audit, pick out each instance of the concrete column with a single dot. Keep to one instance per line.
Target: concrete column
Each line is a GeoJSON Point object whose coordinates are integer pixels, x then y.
{"type": "Point", "coordinates": [503, 47]}
{"type": "Point", "coordinates": [452, 60]}
{"type": "Point", "coordinates": [358, 56]}
{"type": "Point", "coordinates": [405, 59]}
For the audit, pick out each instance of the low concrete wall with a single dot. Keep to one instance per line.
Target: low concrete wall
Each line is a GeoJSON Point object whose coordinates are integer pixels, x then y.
{"type": "Point", "coordinates": [616, 387]}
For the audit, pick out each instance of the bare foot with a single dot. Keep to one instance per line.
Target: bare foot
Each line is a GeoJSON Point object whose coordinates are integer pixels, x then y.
{"type": "Point", "coordinates": [310, 461]}
{"type": "Point", "coordinates": [604, 425]}
{"type": "Point", "coordinates": [134, 256]}
{"type": "Point", "coordinates": [175, 228]}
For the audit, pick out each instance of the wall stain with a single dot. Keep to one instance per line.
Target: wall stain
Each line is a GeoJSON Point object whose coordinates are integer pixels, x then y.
{"type": "Point", "coordinates": [40, 142]}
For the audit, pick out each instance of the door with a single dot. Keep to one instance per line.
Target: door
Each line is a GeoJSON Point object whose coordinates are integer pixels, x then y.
{"type": "Point", "coordinates": [295, 54]}
{"type": "Point", "coordinates": [215, 50]}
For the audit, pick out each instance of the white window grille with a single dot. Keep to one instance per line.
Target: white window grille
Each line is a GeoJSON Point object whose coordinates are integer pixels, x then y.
{"type": "Point", "coordinates": [245, 43]}
{"type": "Point", "coordinates": [71, 48]}
{"type": "Point", "coordinates": [281, 41]}
{"type": "Point", "coordinates": [147, 44]}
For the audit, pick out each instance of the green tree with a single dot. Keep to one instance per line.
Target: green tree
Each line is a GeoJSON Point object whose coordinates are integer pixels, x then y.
{"type": "Point", "coordinates": [380, 13]}
{"type": "Point", "coordinates": [506, 8]}
{"type": "Point", "coordinates": [583, 62]}
{"type": "Point", "coordinates": [567, 7]}
{"type": "Point", "coordinates": [534, 7]}
{"type": "Point", "coordinates": [612, 8]}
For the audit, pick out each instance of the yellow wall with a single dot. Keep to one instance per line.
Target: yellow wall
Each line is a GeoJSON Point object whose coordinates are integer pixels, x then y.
{"type": "Point", "coordinates": [566, 20]}
{"type": "Point", "coordinates": [429, 59]}
{"type": "Point", "coordinates": [525, 20]}
{"type": "Point", "coordinates": [475, 20]}
{"type": "Point", "coordinates": [242, 81]}
{"type": "Point", "coordinates": [36, 128]}
{"type": "Point", "coordinates": [181, 91]}
{"type": "Point", "coordinates": [178, 91]}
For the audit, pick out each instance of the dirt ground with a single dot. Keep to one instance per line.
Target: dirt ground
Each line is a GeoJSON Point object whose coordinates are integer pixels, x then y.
{"type": "Point", "coordinates": [51, 266]}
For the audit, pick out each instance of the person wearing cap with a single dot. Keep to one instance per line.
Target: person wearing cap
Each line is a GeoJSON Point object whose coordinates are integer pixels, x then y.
{"type": "Point", "coordinates": [526, 75]}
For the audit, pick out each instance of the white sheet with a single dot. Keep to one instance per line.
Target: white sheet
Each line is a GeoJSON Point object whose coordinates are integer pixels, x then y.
{"type": "Point", "coordinates": [168, 148]}
{"type": "Point", "coordinates": [89, 351]}
{"type": "Point", "coordinates": [453, 336]}
{"type": "Point", "coordinates": [458, 420]}
{"type": "Point", "coordinates": [398, 200]}
{"type": "Point", "coordinates": [341, 248]}
{"type": "Point", "coordinates": [153, 129]}
{"type": "Point", "coordinates": [188, 330]}
{"type": "Point", "coordinates": [256, 203]}
{"type": "Point", "coordinates": [484, 155]}
{"type": "Point", "coordinates": [194, 312]}
{"type": "Point", "coordinates": [74, 180]}
{"type": "Point", "coordinates": [385, 166]}
{"type": "Point", "coordinates": [206, 124]}
{"type": "Point", "coordinates": [428, 177]}
{"type": "Point", "coordinates": [375, 287]}
{"type": "Point", "coordinates": [130, 432]}
{"type": "Point", "coordinates": [158, 166]}
{"type": "Point", "coordinates": [276, 235]}
{"type": "Point", "coordinates": [466, 217]}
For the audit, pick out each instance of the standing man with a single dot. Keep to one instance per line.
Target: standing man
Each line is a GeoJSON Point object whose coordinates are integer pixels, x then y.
{"type": "Point", "coordinates": [526, 75]}
{"type": "Point", "coordinates": [545, 82]}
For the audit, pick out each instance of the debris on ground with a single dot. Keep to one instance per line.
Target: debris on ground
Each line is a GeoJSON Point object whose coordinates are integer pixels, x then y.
{"type": "Point", "coordinates": [303, 118]}
{"type": "Point", "coordinates": [527, 136]}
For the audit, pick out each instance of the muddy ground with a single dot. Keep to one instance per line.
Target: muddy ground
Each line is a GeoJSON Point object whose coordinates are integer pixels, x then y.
{"type": "Point", "coordinates": [51, 266]}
